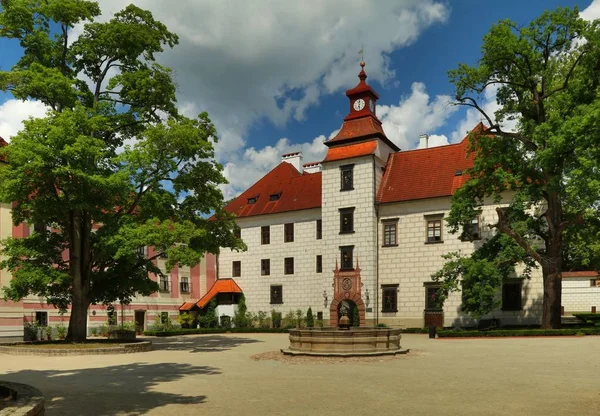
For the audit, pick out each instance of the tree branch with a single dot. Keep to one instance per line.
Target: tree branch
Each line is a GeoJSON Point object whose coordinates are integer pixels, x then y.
{"type": "Point", "coordinates": [504, 226]}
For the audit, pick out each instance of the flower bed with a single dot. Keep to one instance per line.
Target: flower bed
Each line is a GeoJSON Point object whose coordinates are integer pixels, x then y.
{"type": "Point", "coordinates": [192, 331]}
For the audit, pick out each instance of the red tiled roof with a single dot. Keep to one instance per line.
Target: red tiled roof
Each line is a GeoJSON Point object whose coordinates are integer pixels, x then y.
{"type": "Point", "coordinates": [220, 286]}
{"type": "Point", "coordinates": [187, 306]}
{"type": "Point", "coordinates": [358, 128]}
{"type": "Point", "coordinates": [351, 150]}
{"type": "Point", "coordinates": [298, 191]}
{"type": "Point", "coordinates": [425, 173]}
{"type": "Point", "coordinates": [580, 274]}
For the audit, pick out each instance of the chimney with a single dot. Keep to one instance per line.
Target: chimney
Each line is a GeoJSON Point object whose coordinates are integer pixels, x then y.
{"type": "Point", "coordinates": [294, 159]}
{"type": "Point", "coordinates": [313, 167]}
{"type": "Point", "coordinates": [423, 141]}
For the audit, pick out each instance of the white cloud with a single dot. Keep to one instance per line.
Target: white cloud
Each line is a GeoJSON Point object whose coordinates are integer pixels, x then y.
{"type": "Point", "coordinates": [591, 12]}
{"type": "Point", "coordinates": [416, 114]}
{"type": "Point", "coordinates": [13, 112]}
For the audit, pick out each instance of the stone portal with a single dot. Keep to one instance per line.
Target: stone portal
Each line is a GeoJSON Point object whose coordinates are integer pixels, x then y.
{"type": "Point", "coordinates": [347, 285]}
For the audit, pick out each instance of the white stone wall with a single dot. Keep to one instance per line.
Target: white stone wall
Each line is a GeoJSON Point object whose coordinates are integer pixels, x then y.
{"type": "Point", "coordinates": [302, 289]}
{"type": "Point", "coordinates": [362, 198]}
{"type": "Point", "coordinates": [412, 263]}
{"type": "Point", "coordinates": [578, 295]}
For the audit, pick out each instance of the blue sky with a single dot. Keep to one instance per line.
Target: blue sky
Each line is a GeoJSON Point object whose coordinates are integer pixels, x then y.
{"type": "Point", "coordinates": [272, 74]}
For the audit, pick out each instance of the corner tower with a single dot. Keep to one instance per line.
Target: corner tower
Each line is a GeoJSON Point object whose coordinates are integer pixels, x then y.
{"type": "Point", "coordinates": [352, 171]}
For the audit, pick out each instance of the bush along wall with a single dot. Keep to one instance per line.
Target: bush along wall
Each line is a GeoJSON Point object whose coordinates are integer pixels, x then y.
{"type": "Point", "coordinates": [518, 333]}
{"type": "Point", "coordinates": [191, 331]}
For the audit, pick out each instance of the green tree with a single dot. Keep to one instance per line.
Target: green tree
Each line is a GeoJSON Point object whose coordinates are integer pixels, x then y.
{"type": "Point", "coordinates": [355, 317]}
{"type": "Point", "coordinates": [545, 171]}
{"type": "Point", "coordinates": [240, 318]}
{"type": "Point", "coordinates": [310, 319]}
{"type": "Point", "coordinates": [71, 171]}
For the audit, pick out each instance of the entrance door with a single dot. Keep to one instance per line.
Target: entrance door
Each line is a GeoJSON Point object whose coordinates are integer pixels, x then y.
{"type": "Point", "coordinates": [140, 320]}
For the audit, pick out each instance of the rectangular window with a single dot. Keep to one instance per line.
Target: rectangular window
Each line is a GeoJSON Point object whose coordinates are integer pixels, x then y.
{"type": "Point", "coordinates": [265, 235]}
{"type": "Point", "coordinates": [389, 298]}
{"type": "Point", "coordinates": [265, 267]}
{"type": "Point", "coordinates": [141, 251]}
{"type": "Point", "coordinates": [164, 283]}
{"type": "Point", "coordinates": [319, 316]}
{"type": "Point", "coordinates": [319, 229]}
{"type": "Point", "coordinates": [289, 265]}
{"type": "Point", "coordinates": [41, 318]}
{"type": "Point", "coordinates": [511, 296]}
{"type": "Point", "coordinates": [347, 177]}
{"type": "Point", "coordinates": [164, 317]}
{"type": "Point", "coordinates": [319, 264]}
{"type": "Point", "coordinates": [346, 220]}
{"type": "Point", "coordinates": [434, 230]}
{"type": "Point", "coordinates": [346, 257]}
{"type": "Point", "coordinates": [39, 227]}
{"type": "Point", "coordinates": [274, 197]}
{"type": "Point", "coordinates": [276, 295]}
{"type": "Point", "coordinates": [472, 230]}
{"type": "Point", "coordinates": [236, 268]}
{"type": "Point", "coordinates": [288, 233]}
{"type": "Point", "coordinates": [390, 228]}
{"type": "Point", "coordinates": [252, 200]}
{"type": "Point", "coordinates": [184, 285]}
{"type": "Point", "coordinates": [431, 298]}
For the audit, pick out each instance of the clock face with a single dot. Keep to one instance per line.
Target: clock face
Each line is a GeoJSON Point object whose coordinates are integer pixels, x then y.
{"type": "Point", "coordinates": [359, 104]}
{"type": "Point", "coordinates": [372, 106]}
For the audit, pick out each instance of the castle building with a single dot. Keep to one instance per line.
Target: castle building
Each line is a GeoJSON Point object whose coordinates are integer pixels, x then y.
{"type": "Point", "coordinates": [364, 228]}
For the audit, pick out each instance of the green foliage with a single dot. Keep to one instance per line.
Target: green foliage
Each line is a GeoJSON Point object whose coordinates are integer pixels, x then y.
{"type": "Point", "coordinates": [72, 169]}
{"type": "Point", "coordinates": [48, 331]}
{"type": "Point", "coordinates": [32, 331]}
{"type": "Point", "coordinates": [299, 318]}
{"type": "Point", "coordinates": [382, 325]}
{"type": "Point", "coordinates": [310, 319]}
{"type": "Point", "coordinates": [226, 322]}
{"type": "Point", "coordinates": [261, 317]}
{"type": "Point", "coordinates": [103, 330]}
{"type": "Point", "coordinates": [240, 318]}
{"type": "Point", "coordinates": [61, 331]}
{"type": "Point", "coordinates": [276, 319]}
{"type": "Point", "coordinates": [289, 320]}
{"type": "Point", "coordinates": [445, 333]}
{"type": "Point", "coordinates": [545, 171]}
{"type": "Point", "coordinates": [192, 331]}
{"type": "Point", "coordinates": [588, 317]}
{"type": "Point", "coordinates": [94, 332]}
{"type": "Point", "coordinates": [185, 319]}
{"type": "Point", "coordinates": [163, 324]}
{"type": "Point", "coordinates": [355, 317]}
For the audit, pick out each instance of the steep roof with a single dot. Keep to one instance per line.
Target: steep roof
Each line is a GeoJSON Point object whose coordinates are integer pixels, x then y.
{"type": "Point", "coordinates": [220, 286]}
{"type": "Point", "coordinates": [296, 191]}
{"type": "Point", "coordinates": [590, 273]}
{"type": "Point", "coordinates": [425, 173]}
{"type": "Point", "coordinates": [351, 150]}
{"type": "Point", "coordinates": [358, 128]}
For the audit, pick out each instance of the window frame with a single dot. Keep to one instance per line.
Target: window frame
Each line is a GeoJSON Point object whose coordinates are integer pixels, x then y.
{"type": "Point", "coordinates": [343, 213]}
{"type": "Point", "coordinates": [319, 263]}
{"type": "Point", "coordinates": [265, 271]}
{"type": "Point", "coordinates": [276, 298]}
{"type": "Point", "coordinates": [39, 320]}
{"type": "Point", "coordinates": [343, 264]}
{"type": "Point", "coordinates": [164, 284]}
{"type": "Point", "coordinates": [347, 169]}
{"type": "Point", "coordinates": [265, 235]}
{"type": "Point", "coordinates": [287, 261]}
{"type": "Point", "coordinates": [288, 232]}
{"type": "Point", "coordinates": [512, 307]}
{"type": "Point", "coordinates": [467, 233]}
{"type": "Point", "coordinates": [433, 219]}
{"type": "Point", "coordinates": [236, 268]}
{"type": "Point", "coordinates": [386, 223]}
{"type": "Point", "coordinates": [319, 230]}
{"type": "Point", "coordinates": [389, 288]}
{"type": "Point", "coordinates": [428, 298]}
{"type": "Point", "coordinates": [184, 285]}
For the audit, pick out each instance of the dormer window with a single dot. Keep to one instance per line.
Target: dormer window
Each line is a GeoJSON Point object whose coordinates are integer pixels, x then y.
{"type": "Point", "coordinates": [274, 197]}
{"type": "Point", "coordinates": [252, 200]}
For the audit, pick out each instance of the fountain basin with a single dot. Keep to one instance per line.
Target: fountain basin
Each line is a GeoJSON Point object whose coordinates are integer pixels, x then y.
{"type": "Point", "coordinates": [20, 399]}
{"type": "Point", "coordinates": [336, 342]}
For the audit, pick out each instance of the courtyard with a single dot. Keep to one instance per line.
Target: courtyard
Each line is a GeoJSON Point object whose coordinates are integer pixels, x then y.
{"type": "Point", "coordinates": [220, 375]}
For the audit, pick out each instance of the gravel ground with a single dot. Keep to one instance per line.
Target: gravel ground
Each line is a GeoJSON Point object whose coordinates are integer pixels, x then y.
{"type": "Point", "coordinates": [239, 374]}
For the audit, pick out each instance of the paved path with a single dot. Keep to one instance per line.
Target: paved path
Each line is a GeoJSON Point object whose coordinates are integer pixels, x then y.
{"type": "Point", "coordinates": [213, 375]}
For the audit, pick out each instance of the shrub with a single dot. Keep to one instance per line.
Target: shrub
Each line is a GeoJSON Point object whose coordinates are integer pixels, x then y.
{"type": "Point", "coordinates": [185, 320]}
{"type": "Point", "coordinates": [310, 319]}
{"type": "Point", "coordinates": [103, 330]}
{"type": "Point", "coordinates": [320, 323]}
{"type": "Point", "coordinates": [518, 332]}
{"type": "Point", "coordinates": [94, 332]}
{"type": "Point", "coordinates": [289, 320]}
{"type": "Point", "coordinates": [261, 317]}
{"type": "Point", "coordinates": [240, 318]}
{"type": "Point", "coordinates": [191, 331]}
{"type": "Point", "coordinates": [381, 325]}
{"type": "Point", "coordinates": [61, 331]}
{"type": "Point", "coordinates": [251, 320]}
{"type": "Point", "coordinates": [161, 324]}
{"type": "Point", "coordinates": [225, 322]}
{"type": "Point", "coordinates": [276, 319]}
{"type": "Point", "coordinates": [299, 318]}
{"type": "Point", "coordinates": [48, 331]}
{"type": "Point", "coordinates": [31, 331]}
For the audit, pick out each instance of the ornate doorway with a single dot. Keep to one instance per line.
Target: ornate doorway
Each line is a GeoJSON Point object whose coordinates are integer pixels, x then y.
{"type": "Point", "coordinates": [347, 287]}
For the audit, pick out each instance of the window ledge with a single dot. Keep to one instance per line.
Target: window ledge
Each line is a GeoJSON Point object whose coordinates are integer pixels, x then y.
{"type": "Point", "coordinates": [390, 245]}
{"type": "Point", "coordinates": [347, 270]}
{"type": "Point", "coordinates": [434, 242]}
{"type": "Point", "coordinates": [349, 189]}
{"type": "Point", "coordinates": [278, 303]}
{"type": "Point", "coordinates": [347, 232]}
{"type": "Point", "coordinates": [394, 311]}
{"type": "Point", "coordinates": [434, 310]}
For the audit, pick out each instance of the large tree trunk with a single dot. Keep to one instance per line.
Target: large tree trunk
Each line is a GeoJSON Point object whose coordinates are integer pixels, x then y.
{"type": "Point", "coordinates": [552, 295]}
{"type": "Point", "coordinates": [79, 268]}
